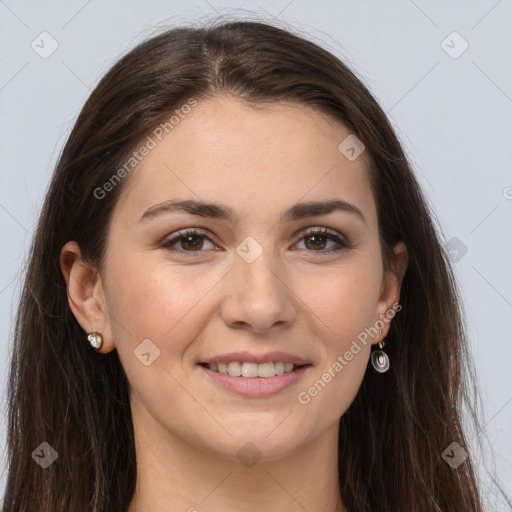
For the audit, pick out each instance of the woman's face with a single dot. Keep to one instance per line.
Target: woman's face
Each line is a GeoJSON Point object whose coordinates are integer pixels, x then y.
{"type": "Point", "coordinates": [254, 286]}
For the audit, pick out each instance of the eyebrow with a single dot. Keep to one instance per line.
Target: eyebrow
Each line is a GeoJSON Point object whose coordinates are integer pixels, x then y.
{"type": "Point", "coordinates": [217, 211]}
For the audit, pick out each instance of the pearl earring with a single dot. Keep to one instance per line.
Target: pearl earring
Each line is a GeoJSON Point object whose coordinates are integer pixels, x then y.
{"type": "Point", "coordinates": [96, 340]}
{"type": "Point", "coordinates": [379, 358]}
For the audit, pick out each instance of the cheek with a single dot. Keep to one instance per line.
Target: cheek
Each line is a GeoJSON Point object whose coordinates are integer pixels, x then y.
{"type": "Point", "coordinates": [345, 302]}
{"type": "Point", "coordinates": [342, 307]}
{"type": "Point", "coordinates": [150, 297]}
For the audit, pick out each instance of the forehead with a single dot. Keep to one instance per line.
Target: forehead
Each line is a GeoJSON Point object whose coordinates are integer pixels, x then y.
{"type": "Point", "coordinates": [256, 159]}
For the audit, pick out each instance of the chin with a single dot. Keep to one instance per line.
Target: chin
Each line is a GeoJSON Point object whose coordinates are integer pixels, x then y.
{"type": "Point", "coordinates": [264, 442]}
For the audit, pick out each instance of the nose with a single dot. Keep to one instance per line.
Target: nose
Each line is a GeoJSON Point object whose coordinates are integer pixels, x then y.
{"type": "Point", "coordinates": [259, 299]}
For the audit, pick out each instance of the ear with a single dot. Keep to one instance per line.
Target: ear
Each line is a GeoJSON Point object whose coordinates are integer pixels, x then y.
{"type": "Point", "coordinates": [86, 295]}
{"type": "Point", "coordinates": [392, 282]}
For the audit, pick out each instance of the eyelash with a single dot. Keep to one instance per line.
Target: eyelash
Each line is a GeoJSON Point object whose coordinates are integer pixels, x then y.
{"type": "Point", "coordinates": [326, 232]}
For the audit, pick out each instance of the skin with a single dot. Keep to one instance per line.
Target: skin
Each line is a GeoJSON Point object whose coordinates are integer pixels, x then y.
{"type": "Point", "coordinates": [294, 297]}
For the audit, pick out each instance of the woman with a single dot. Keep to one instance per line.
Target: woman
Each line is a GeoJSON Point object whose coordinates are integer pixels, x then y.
{"type": "Point", "coordinates": [236, 297]}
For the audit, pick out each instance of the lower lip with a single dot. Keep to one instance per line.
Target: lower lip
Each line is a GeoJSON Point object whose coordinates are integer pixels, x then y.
{"type": "Point", "coordinates": [256, 387]}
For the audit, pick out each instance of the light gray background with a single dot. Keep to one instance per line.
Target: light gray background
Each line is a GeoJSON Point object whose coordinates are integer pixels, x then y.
{"type": "Point", "coordinates": [453, 115]}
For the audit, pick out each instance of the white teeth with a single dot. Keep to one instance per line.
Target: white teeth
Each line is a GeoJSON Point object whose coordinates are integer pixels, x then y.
{"type": "Point", "coordinates": [249, 369]}
{"type": "Point", "coordinates": [266, 370]}
{"type": "Point", "coordinates": [279, 368]}
{"type": "Point", "coordinates": [235, 369]}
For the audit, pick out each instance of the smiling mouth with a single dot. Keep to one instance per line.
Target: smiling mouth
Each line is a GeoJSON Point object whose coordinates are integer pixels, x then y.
{"type": "Point", "coordinates": [251, 370]}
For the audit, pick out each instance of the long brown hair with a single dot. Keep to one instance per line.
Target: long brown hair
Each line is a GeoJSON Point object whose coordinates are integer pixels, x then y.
{"type": "Point", "coordinates": [62, 393]}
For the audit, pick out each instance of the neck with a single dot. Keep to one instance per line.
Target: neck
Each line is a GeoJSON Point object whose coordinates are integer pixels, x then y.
{"type": "Point", "coordinates": [173, 475]}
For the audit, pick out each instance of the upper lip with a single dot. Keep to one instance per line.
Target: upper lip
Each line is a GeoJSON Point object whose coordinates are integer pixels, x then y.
{"type": "Point", "coordinates": [250, 357]}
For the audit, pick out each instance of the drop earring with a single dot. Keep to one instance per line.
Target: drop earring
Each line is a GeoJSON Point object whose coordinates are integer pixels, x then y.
{"type": "Point", "coordinates": [95, 340]}
{"type": "Point", "coordinates": [379, 358]}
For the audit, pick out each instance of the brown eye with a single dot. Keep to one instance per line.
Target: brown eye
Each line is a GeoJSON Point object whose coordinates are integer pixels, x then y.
{"type": "Point", "coordinates": [189, 241]}
{"type": "Point", "coordinates": [316, 240]}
